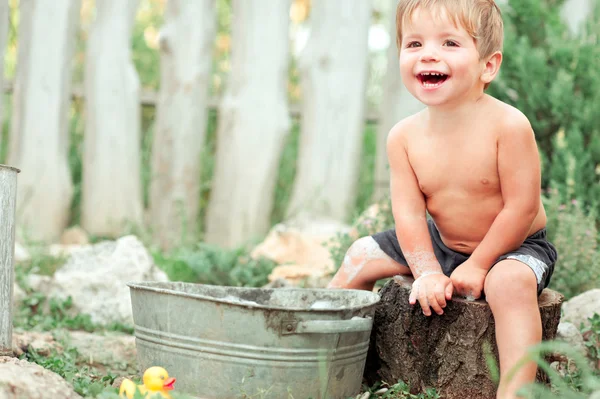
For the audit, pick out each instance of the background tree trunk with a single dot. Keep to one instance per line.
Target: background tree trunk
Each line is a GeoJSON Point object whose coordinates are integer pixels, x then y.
{"type": "Point", "coordinates": [576, 12]}
{"type": "Point", "coordinates": [112, 190]}
{"type": "Point", "coordinates": [253, 123]}
{"type": "Point", "coordinates": [186, 44]}
{"type": "Point", "coordinates": [397, 103]}
{"type": "Point", "coordinates": [333, 71]}
{"type": "Point", "coordinates": [442, 352]}
{"type": "Point", "coordinates": [4, 22]}
{"type": "Point", "coordinates": [39, 132]}
{"type": "Point", "coordinates": [8, 197]}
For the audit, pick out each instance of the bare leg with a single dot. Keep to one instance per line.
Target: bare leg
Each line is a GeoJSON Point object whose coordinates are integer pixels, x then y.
{"type": "Point", "coordinates": [511, 291]}
{"type": "Point", "coordinates": [364, 264]}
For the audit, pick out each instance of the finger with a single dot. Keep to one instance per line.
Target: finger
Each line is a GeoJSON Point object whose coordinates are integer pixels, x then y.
{"type": "Point", "coordinates": [449, 291]}
{"type": "Point", "coordinates": [440, 297]}
{"type": "Point", "coordinates": [431, 297]}
{"type": "Point", "coordinates": [414, 293]}
{"type": "Point", "coordinates": [424, 303]}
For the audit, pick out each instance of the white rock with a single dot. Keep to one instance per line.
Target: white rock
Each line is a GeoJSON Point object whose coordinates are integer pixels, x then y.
{"type": "Point", "coordinates": [578, 309]}
{"type": "Point", "coordinates": [300, 250]}
{"type": "Point", "coordinates": [18, 295]}
{"type": "Point", "coordinates": [96, 277]}
{"type": "Point", "coordinates": [21, 253]}
{"type": "Point", "coordinates": [567, 332]}
{"type": "Point", "coordinates": [21, 379]}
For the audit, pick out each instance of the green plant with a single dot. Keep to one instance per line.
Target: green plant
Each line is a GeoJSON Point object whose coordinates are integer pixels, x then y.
{"type": "Point", "coordinates": [573, 231]}
{"type": "Point", "coordinates": [591, 333]}
{"type": "Point", "coordinates": [586, 381]}
{"type": "Point", "coordinates": [553, 77]}
{"type": "Point", "coordinates": [375, 219]}
{"type": "Point", "coordinates": [38, 313]}
{"type": "Point", "coordinates": [83, 379]}
{"type": "Point", "coordinates": [401, 390]}
{"type": "Point", "coordinates": [208, 264]}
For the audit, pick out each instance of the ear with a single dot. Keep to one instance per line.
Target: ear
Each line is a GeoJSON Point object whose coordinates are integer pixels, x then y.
{"type": "Point", "coordinates": [491, 67]}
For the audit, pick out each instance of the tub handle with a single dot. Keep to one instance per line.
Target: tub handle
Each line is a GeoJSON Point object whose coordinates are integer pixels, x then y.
{"type": "Point", "coordinates": [355, 324]}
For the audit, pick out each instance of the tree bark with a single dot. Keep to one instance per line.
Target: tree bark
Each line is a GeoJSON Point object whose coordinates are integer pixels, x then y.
{"type": "Point", "coordinates": [397, 103]}
{"type": "Point", "coordinates": [442, 352]}
{"type": "Point", "coordinates": [8, 194]}
{"type": "Point", "coordinates": [186, 45]}
{"type": "Point", "coordinates": [112, 190]}
{"type": "Point", "coordinates": [253, 123]}
{"type": "Point", "coordinates": [333, 70]}
{"type": "Point", "coordinates": [4, 22]}
{"type": "Point", "coordinates": [39, 132]}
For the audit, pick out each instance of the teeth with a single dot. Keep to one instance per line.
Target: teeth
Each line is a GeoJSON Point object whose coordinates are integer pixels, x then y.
{"type": "Point", "coordinates": [432, 74]}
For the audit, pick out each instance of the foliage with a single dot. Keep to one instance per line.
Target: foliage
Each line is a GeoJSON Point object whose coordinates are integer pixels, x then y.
{"type": "Point", "coordinates": [581, 385]}
{"type": "Point", "coordinates": [401, 390]}
{"type": "Point", "coordinates": [553, 77]}
{"type": "Point", "coordinates": [38, 313]}
{"type": "Point", "coordinates": [64, 364]}
{"type": "Point", "coordinates": [591, 334]}
{"type": "Point", "coordinates": [208, 264]}
{"type": "Point", "coordinates": [375, 219]}
{"type": "Point", "coordinates": [574, 233]}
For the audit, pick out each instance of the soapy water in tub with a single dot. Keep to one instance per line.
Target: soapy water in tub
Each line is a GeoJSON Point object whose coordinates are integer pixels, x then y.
{"type": "Point", "coordinates": [317, 305]}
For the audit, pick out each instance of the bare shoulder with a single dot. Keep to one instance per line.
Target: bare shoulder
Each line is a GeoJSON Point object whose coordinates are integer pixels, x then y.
{"type": "Point", "coordinates": [403, 130]}
{"type": "Point", "coordinates": [510, 121]}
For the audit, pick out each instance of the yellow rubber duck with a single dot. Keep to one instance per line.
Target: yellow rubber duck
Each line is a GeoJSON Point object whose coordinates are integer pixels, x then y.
{"type": "Point", "coordinates": [156, 381]}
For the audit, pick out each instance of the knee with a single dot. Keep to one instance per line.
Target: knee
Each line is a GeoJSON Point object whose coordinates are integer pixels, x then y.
{"type": "Point", "coordinates": [362, 250]}
{"type": "Point", "coordinates": [510, 282]}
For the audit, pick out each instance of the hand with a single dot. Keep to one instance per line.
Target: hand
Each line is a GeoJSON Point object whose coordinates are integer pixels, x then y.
{"type": "Point", "coordinates": [432, 290]}
{"type": "Point", "coordinates": [468, 280]}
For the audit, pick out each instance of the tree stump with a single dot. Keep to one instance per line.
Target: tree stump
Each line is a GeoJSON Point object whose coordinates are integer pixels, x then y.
{"type": "Point", "coordinates": [442, 352]}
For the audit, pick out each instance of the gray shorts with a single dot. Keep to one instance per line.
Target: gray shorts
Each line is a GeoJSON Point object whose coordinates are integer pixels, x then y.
{"type": "Point", "coordinates": [536, 252]}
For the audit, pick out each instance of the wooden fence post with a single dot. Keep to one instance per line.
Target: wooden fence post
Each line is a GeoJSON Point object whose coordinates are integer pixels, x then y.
{"type": "Point", "coordinates": [112, 187]}
{"type": "Point", "coordinates": [8, 199]}
{"type": "Point", "coordinates": [4, 22]}
{"type": "Point", "coordinates": [40, 125]}
{"type": "Point", "coordinates": [253, 123]}
{"type": "Point", "coordinates": [397, 103]}
{"type": "Point", "coordinates": [186, 47]}
{"type": "Point", "coordinates": [333, 69]}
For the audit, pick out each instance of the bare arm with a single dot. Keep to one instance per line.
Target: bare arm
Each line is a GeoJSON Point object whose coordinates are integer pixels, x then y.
{"type": "Point", "coordinates": [520, 182]}
{"type": "Point", "coordinates": [408, 207]}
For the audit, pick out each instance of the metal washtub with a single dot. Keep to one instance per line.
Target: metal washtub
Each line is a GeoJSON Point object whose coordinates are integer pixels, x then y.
{"type": "Point", "coordinates": [227, 342]}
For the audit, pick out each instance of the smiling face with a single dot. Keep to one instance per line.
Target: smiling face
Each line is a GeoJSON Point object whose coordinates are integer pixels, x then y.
{"type": "Point", "coordinates": [439, 61]}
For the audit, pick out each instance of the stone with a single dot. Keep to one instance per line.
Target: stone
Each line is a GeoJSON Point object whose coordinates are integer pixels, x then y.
{"type": "Point", "coordinates": [74, 236]}
{"type": "Point", "coordinates": [567, 332]}
{"type": "Point", "coordinates": [109, 348]}
{"type": "Point", "coordinates": [442, 352]}
{"type": "Point", "coordinates": [96, 278]}
{"type": "Point", "coordinates": [41, 342]}
{"type": "Point", "coordinates": [578, 309]}
{"type": "Point", "coordinates": [300, 255]}
{"type": "Point", "coordinates": [20, 379]}
{"type": "Point", "coordinates": [21, 253]}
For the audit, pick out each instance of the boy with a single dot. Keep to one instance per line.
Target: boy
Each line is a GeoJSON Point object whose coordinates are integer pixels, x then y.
{"type": "Point", "coordinates": [472, 162]}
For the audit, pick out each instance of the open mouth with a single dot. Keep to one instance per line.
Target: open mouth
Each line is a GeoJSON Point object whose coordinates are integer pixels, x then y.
{"type": "Point", "coordinates": [432, 80]}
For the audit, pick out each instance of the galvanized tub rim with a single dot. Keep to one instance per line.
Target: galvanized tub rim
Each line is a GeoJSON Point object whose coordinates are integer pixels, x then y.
{"type": "Point", "coordinates": [10, 168]}
{"type": "Point", "coordinates": [151, 286]}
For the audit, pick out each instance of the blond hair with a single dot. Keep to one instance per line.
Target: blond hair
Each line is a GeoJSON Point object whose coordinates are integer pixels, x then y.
{"type": "Point", "coordinates": [482, 19]}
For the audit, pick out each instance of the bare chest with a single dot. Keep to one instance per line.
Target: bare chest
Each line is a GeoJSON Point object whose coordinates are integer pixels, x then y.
{"type": "Point", "coordinates": [468, 166]}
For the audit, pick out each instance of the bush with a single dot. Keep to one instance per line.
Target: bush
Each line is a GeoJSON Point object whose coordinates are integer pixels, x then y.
{"type": "Point", "coordinates": [574, 233]}
{"type": "Point", "coordinates": [553, 77]}
{"type": "Point", "coordinates": [207, 264]}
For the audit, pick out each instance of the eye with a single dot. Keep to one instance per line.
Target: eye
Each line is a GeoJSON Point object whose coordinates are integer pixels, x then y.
{"type": "Point", "coordinates": [450, 43]}
{"type": "Point", "coordinates": [413, 45]}
{"type": "Point", "coordinates": [162, 377]}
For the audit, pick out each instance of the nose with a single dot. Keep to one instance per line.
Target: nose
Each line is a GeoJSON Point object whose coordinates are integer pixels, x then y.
{"type": "Point", "coordinates": [429, 54]}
